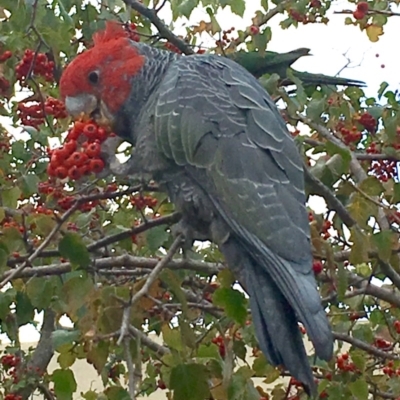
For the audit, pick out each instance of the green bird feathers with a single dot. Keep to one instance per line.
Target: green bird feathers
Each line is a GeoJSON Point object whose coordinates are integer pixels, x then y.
{"type": "Point", "coordinates": [270, 62]}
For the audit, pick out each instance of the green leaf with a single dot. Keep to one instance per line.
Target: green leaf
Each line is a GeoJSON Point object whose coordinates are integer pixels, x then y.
{"type": "Point", "coordinates": [226, 278]}
{"type": "Point", "coordinates": [10, 197]}
{"type": "Point", "coordinates": [184, 7]}
{"type": "Point", "coordinates": [29, 184]}
{"type": "Point", "coordinates": [187, 334]}
{"type": "Point", "coordinates": [359, 250]}
{"type": "Point", "coordinates": [24, 309]}
{"type": "Point", "coordinates": [371, 186]}
{"type": "Point", "coordinates": [72, 247]}
{"type": "Point", "coordinates": [170, 278]}
{"type": "Point", "coordinates": [241, 386]}
{"type": "Point", "coordinates": [261, 40]}
{"type": "Point", "coordinates": [98, 355]}
{"type": "Point", "coordinates": [40, 292]}
{"type": "Point", "coordinates": [359, 389]}
{"type": "Point", "coordinates": [396, 193]}
{"type": "Point", "coordinates": [332, 149]}
{"type": "Point", "coordinates": [358, 358]}
{"type": "Point", "coordinates": [239, 349]}
{"type": "Point", "coordinates": [156, 237]}
{"type": "Point", "coordinates": [208, 351]}
{"type": "Point", "coordinates": [189, 381]}
{"type": "Point", "coordinates": [64, 384]}
{"type": "Point", "coordinates": [362, 209]}
{"type": "Point", "coordinates": [66, 359]}
{"type": "Point", "coordinates": [117, 393]}
{"type": "Point", "coordinates": [382, 88]}
{"type": "Point", "coordinates": [172, 337]}
{"type": "Point", "coordinates": [233, 302]}
{"type": "Point", "coordinates": [76, 290]}
{"type": "Point", "coordinates": [238, 7]}
{"type": "Point", "coordinates": [315, 108]}
{"type": "Point", "coordinates": [6, 299]}
{"type": "Point", "coordinates": [61, 337]}
{"type": "Point", "coordinates": [384, 242]}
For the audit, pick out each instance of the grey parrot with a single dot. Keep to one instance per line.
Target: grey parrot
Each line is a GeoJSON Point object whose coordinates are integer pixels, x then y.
{"type": "Point", "coordinates": [206, 131]}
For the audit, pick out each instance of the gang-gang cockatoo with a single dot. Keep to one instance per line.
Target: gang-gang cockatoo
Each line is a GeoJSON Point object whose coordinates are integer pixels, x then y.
{"type": "Point", "coordinates": [207, 132]}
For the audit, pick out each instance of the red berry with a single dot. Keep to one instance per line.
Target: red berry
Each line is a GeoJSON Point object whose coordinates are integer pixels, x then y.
{"type": "Point", "coordinates": [93, 150]}
{"type": "Point", "coordinates": [96, 165]}
{"type": "Point", "coordinates": [90, 131]}
{"type": "Point", "coordinates": [77, 158]}
{"type": "Point", "coordinates": [74, 173]}
{"type": "Point", "coordinates": [254, 30]}
{"type": "Point", "coordinates": [358, 14]}
{"type": "Point", "coordinates": [61, 172]}
{"type": "Point", "coordinates": [317, 267]}
{"type": "Point", "coordinates": [363, 6]}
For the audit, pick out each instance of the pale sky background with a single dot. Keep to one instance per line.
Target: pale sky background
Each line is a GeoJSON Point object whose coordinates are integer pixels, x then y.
{"type": "Point", "coordinates": [328, 45]}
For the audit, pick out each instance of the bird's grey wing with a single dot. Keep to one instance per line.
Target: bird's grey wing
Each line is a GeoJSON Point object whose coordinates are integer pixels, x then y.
{"type": "Point", "coordinates": [215, 120]}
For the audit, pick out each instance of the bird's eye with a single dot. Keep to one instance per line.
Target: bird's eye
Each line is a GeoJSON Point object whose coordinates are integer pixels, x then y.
{"type": "Point", "coordinates": [93, 77]}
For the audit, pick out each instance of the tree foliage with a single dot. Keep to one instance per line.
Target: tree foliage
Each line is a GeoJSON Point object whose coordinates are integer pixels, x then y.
{"type": "Point", "coordinates": [99, 249]}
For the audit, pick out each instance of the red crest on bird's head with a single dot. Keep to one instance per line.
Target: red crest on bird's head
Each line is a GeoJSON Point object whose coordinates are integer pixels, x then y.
{"type": "Point", "coordinates": [113, 31]}
{"type": "Point", "coordinates": [105, 70]}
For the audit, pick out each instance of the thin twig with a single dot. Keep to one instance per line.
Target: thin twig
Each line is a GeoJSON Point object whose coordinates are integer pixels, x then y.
{"type": "Point", "coordinates": [157, 269]}
{"type": "Point", "coordinates": [388, 13]}
{"type": "Point", "coordinates": [164, 32]}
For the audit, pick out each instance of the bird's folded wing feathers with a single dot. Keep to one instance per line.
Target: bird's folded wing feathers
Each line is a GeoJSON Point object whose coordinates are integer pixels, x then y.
{"type": "Point", "coordinates": [214, 119]}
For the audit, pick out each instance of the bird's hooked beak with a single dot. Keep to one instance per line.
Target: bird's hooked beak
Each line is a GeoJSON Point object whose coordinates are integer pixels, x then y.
{"type": "Point", "coordinates": [89, 106]}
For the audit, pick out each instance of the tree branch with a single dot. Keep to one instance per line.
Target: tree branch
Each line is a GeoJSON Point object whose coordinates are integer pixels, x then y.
{"type": "Point", "coordinates": [365, 346]}
{"type": "Point", "coordinates": [43, 353]}
{"type": "Point", "coordinates": [164, 32]}
{"type": "Point", "coordinates": [146, 341]}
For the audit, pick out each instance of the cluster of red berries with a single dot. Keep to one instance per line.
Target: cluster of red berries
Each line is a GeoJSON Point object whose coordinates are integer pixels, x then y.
{"type": "Point", "coordinates": [352, 135]}
{"type": "Point", "coordinates": [226, 37]}
{"type": "Point", "coordinates": [10, 361]}
{"type": "Point", "coordinates": [361, 11]}
{"type": "Point", "coordinates": [313, 14]}
{"type": "Point", "coordinates": [36, 64]}
{"type": "Point", "coordinates": [382, 344]}
{"type": "Point", "coordinates": [390, 371]}
{"type": "Point", "coordinates": [9, 223]}
{"type": "Point", "coordinates": [34, 113]}
{"type": "Point", "coordinates": [64, 201]}
{"type": "Point", "coordinates": [72, 162]}
{"type": "Point", "coordinates": [5, 56]}
{"type": "Point", "coordinates": [396, 326]}
{"type": "Point", "coordinates": [344, 363]}
{"type": "Point", "coordinates": [133, 34]}
{"type": "Point", "coordinates": [372, 148]}
{"type": "Point", "coordinates": [12, 396]}
{"type": "Point", "coordinates": [325, 229]}
{"type": "Point", "coordinates": [384, 169]}
{"type": "Point", "coordinates": [367, 121]}
{"type": "Point", "coordinates": [140, 202]}
{"type": "Point", "coordinates": [220, 342]}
